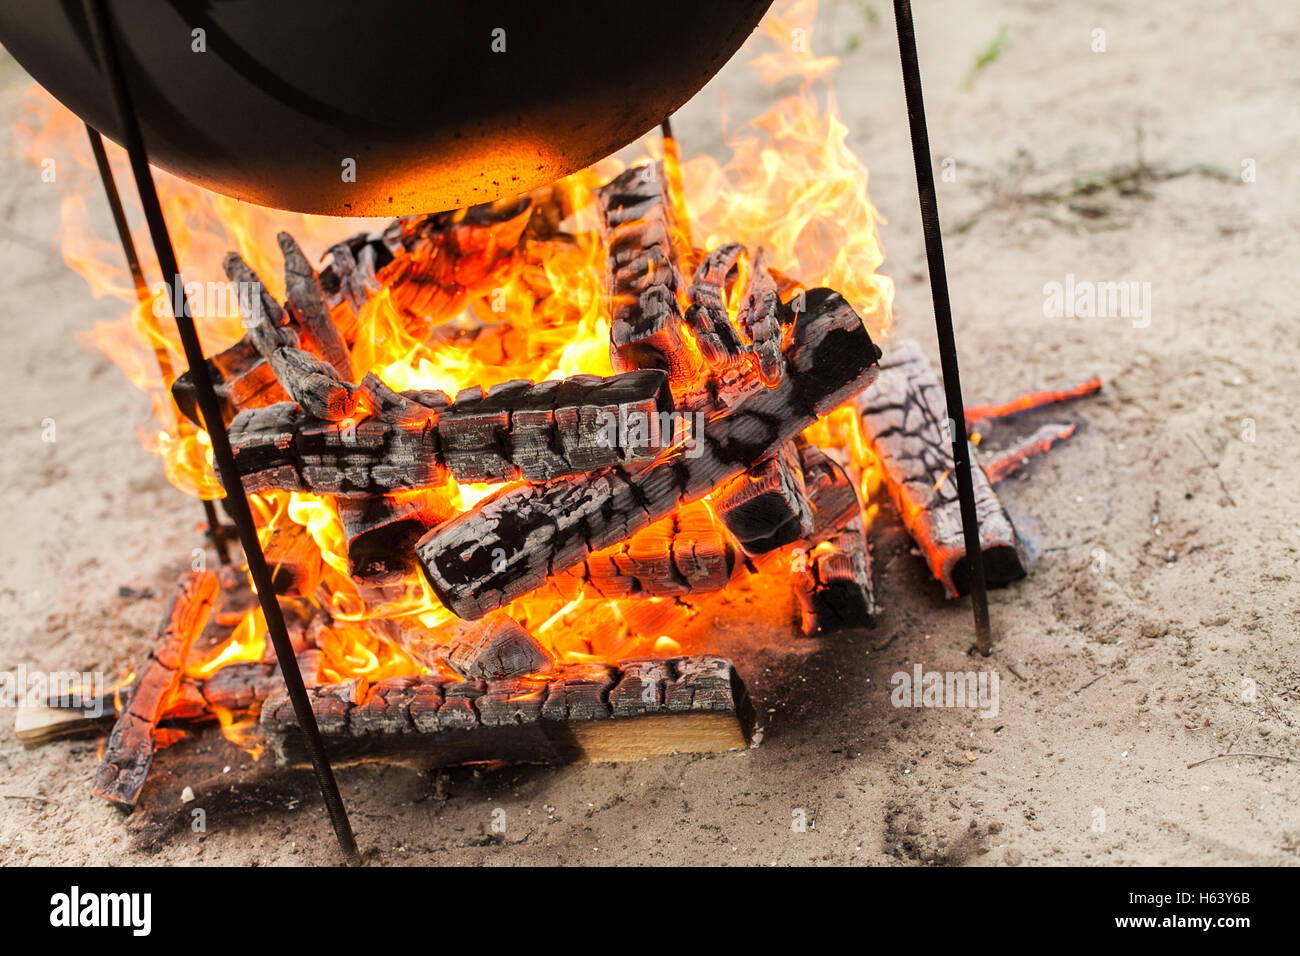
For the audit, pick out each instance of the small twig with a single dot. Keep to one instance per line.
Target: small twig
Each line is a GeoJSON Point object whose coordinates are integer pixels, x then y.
{"type": "Point", "coordinates": [1244, 754]}
{"type": "Point", "coordinates": [1091, 682]}
{"type": "Point", "coordinates": [25, 796]}
{"type": "Point", "coordinates": [1238, 735]}
{"type": "Point", "coordinates": [1012, 668]}
{"type": "Point", "coordinates": [1214, 468]}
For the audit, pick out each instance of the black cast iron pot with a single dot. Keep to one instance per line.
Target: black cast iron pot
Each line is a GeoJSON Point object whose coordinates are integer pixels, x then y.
{"type": "Point", "coordinates": [436, 104]}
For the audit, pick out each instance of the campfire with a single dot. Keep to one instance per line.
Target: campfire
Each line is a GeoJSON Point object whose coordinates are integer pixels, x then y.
{"type": "Point", "coordinates": [507, 462]}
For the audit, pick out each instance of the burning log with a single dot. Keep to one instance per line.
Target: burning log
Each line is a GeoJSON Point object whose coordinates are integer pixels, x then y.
{"type": "Point", "coordinates": [760, 319]}
{"type": "Point", "coordinates": [707, 315]}
{"type": "Point", "coordinates": [414, 439]}
{"type": "Point", "coordinates": [314, 385]}
{"type": "Point", "coordinates": [832, 498]}
{"type": "Point", "coordinates": [307, 302]}
{"type": "Point", "coordinates": [833, 583]}
{"type": "Point", "coordinates": [444, 259]}
{"type": "Point", "coordinates": [1010, 461]}
{"type": "Point", "coordinates": [242, 379]}
{"type": "Point", "coordinates": [512, 541]}
{"type": "Point", "coordinates": [381, 532]}
{"type": "Point", "coordinates": [129, 752]}
{"type": "Point", "coordinates": [494, 649]}
{"type": "Point", "coordinates": [688, 552]}
{"type": "Point", "coordinates": [294, 559]}
{"type": "Point", "coordinates": [642, 275]}
{"type": "Point", "coordinates": [555, 428]}
{"type": "Point", "coordinates": [588, 712]}
{"type": "Point", "coordinates": [905, 420]}
{"type": "Point", "coordinates": [767, 507]}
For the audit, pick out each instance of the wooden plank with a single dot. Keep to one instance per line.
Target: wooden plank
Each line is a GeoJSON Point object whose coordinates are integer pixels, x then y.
{"type": "Point", "coordinates": [767, 507]}
{"type": "Point", "coordinates": [587, 712]}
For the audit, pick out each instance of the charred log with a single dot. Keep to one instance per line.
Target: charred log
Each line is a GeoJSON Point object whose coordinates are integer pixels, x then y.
{"type": "Point", "coordinates": [493, 649]}
{"type": "Point", "coordinates": [130, 748]}
{"type": "Point", "coordinates": [642, 277]}
{"type": "Point", "coordinates": [415, 439]}
{"type": "Point", "coordinates": [767, 507]}
{"type": "Point", "coordinates": [833, 583]}
{"type": "Point", "coordinates": [707, 316]}
{"type": "Point", "coordinates": [307, 302]}
{"type": "Point", "coordinates": [904, 416]}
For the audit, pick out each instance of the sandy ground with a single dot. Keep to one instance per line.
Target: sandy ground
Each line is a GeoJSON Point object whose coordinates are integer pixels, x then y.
{"type": "Point", "coordinates": [1166, 540]}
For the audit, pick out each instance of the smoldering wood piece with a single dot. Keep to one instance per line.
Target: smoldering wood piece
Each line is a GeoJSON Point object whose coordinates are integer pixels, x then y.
{"type": "Point", "coordinates": [586, 712]}
{"type": "Point", "coordinates": [642, 277]}
{"type": "Point", "coordinates": [542, 431]}
{"type": "Point", "coordinates": [707, 315]}
{"type": "Point", "coordinates": [397, 408]}
{"type": "Point", "coordinates": [294, 559]}
{"type": "Point", "coordinates": [442, 260]}
{"type": "Point", "coordinates": [314, 385]}
{"type": "Point", "coordinates": [263, 318]}
{"type": "Point", "coordinates": [1013, 459]}
{"type": "Point", "coordinates": [509, 543]}
{"type": "Point", "coordinates": [414, 439]}
{"type": "Point", "coordinates": [381, 531]}
{"type": "Point", "coordinates": [832, 497]}
{"type": "Point", "coordinates": [688, 552]}
{"type": "Point", "coordinates": [767, 507]}
{"type": "Point", "coordinates": [904, 417]}
{"type": "Point", "coordinates": [759, 317]}
{"type": "Point", "coordinates": [242, 380]}
{"type": "Point", "coordinates": [1030, 400]}
{"type": "Point", "coordinates": [128, 754]}
{"type": "Point", "coordinates": [833, 583]}
{"type": "Point", "coordinates": [495, 648]}
{"type": "Point", "coordinates": [307, 302]}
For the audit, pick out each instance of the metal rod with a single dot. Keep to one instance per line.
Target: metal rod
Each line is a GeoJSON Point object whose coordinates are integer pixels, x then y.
{"type": "Point", "coordinates": [970, 521]}
{"type": "Point", "coordinates": [142, 295]}
{"type": "Point", "coordinates": [101, 30]}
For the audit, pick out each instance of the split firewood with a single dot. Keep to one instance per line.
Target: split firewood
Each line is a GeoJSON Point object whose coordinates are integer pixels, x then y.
{"type": "Point", "coordinates": [130, 748]}
{"type": "Point", "coordinates": [495, 648]}
{"type": "Point", "coordinates": [587, 712]}
{"type": "Point", "coordinates": [510, 542]}
{"type": "Point", "coordinates": [767, 507]}
{"type": "Point", "coordinates": [307, 302]}
{"type": "Point", "coordinates": [833, 582]}
{"type": "Point", "coordinates": [707, 316]}
{"type": "Point", "coordinates": [381, 531]}
{"type": "Point", "coordinates": [905, 419]}
{"type": "Point", "coordinates": [294, 559]}
{"type": "Point", "coordinates": [513, 430]}
{"type": "Point", "coordinates": [759, 318]}
{"type": "Point", "coordinates": [1011, 460]}
{"type": "Point", "coordinates": [642, 277]}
